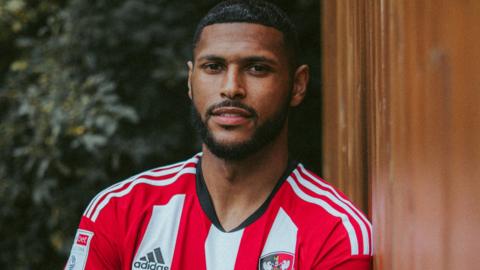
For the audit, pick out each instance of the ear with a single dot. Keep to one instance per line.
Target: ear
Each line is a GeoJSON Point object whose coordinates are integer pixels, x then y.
{"type": "Point", "coordinates": [190, 71]}
{"type": "Point", "coordinates": [300, 82]}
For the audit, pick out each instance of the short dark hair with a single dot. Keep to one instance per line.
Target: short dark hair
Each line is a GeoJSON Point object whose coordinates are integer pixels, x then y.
{"type": "Point", "coordinates": [253, 11]}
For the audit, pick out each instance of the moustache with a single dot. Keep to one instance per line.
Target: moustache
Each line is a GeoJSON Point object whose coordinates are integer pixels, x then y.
{"type": "Point", "coordinates": [231, 103]}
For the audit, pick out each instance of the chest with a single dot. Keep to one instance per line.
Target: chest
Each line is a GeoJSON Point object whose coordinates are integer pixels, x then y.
{"type": "Point", "coordinates": [179, 235]}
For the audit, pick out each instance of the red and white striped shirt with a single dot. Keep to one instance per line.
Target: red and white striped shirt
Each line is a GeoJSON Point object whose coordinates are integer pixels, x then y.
{"type": "Point", "coordinates": [163, 219]}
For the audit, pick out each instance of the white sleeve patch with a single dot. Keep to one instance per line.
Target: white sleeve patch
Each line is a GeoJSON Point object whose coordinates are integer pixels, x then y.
{"type": "Point", "coordinates": [79, 252]}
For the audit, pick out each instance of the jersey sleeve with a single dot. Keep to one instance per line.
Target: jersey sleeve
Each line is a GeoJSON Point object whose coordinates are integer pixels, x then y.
{"type": "Point", "coordinates": [344, 262]}
{"type": "Point", "coordinates": [359, 262]}
{"type": "Point", "coordinates": [95, 245]}
{"type": "Point", "coordinates": [336, 254]}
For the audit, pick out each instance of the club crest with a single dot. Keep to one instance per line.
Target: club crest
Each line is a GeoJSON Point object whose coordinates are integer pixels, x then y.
{"type": "Point", "coordinates": [276, 261]}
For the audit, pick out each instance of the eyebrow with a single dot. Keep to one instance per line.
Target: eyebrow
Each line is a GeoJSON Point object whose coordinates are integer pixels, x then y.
{"type": "Point", "coordinates": [211, 57]}
{"type": "Point", "coordinates": [248, 59]}
{"type": "Point", "coordinates": [253, 59]}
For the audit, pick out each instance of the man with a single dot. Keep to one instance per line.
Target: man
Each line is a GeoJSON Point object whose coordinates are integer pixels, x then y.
{"type": "Point", "coordinates": [241, 203]}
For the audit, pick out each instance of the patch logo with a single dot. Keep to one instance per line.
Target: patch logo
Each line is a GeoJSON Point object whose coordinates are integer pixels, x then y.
{"type": "Point", "coordinates": [82, 239]}
{"type": "Point", "coordinates": [79, 254]}
{"type": "Point", "coordinates": [72, 261]}
{"type": "Point", "coordinates": [276, 261]}
{"type": "Point", "coordinates": [153, 260]}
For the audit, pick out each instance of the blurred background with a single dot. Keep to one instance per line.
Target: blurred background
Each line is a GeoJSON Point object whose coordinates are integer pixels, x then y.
{"type": "Point", "coordinates": [92, 92]}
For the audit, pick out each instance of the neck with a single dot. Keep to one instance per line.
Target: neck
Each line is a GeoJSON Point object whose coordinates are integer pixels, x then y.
{"type": "Point", "coordinates": [240, 187]}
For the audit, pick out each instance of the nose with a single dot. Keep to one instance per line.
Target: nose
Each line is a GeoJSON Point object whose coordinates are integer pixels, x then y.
{"type": "Point", "coordinates": [233, 87]}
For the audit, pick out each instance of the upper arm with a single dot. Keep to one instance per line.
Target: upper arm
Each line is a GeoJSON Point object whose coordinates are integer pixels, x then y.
{"type": "Point", "coordinates": [336, 253]}
{"type": "Point", "coordinates": [359, 262]}
{"type": "Point", "coordinates": [94, 246]}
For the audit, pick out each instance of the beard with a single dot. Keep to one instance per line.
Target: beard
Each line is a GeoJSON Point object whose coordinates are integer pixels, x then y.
{"type": "Point", "coordinates": [262, 135]}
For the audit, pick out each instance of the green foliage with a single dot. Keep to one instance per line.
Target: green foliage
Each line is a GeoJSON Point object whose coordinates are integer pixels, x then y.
{"type": "Point", "coordinates": [55, 128]}
{"type": "Point", "coordinates": [90, 93]}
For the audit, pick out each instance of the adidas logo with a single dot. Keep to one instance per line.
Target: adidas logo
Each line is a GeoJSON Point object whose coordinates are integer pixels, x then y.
{"type": "Point", "coordinates": [152, 261]}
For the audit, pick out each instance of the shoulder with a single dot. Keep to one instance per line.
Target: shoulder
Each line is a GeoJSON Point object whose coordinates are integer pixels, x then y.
{"type": "Point", "coordinates": [319, 204]}
{"type": "Point", "coordinates": [139, 185]}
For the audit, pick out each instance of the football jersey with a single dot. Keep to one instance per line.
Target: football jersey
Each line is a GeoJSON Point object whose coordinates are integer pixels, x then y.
{"type": "Point", "coordinates": [164, 219]}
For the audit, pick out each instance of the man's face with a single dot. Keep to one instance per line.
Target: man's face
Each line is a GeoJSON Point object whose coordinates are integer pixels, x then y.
{"type": "Point", "coordinates": [241, 87]}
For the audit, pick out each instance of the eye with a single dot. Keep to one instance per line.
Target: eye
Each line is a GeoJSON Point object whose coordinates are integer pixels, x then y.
{"type": "Point", "coordinates": [212, 67]}
{"type": "Point", "coordinates": [259, 69]}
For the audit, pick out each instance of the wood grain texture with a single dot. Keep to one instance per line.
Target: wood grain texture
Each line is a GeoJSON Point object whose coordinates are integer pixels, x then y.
{"type": "Point", "coordinates": [344, 96]}
{"type": "Point", "coordinates": [418, 65]}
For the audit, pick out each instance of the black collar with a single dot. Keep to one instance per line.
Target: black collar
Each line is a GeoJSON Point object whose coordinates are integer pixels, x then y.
{"type": "Point", "coordinates": [207, 204]}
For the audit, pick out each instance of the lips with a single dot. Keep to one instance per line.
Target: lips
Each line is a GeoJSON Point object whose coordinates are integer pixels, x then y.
{"type": "Point", "coordinates": [230, 116]}
{"type": "Point", "coordinates": [231, 111]}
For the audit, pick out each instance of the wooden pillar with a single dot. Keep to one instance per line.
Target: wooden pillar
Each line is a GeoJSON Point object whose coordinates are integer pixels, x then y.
{"type": "Point", "coordinates": [344, 99]}
{"type": "Point", "coordinates": [417, 64]}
